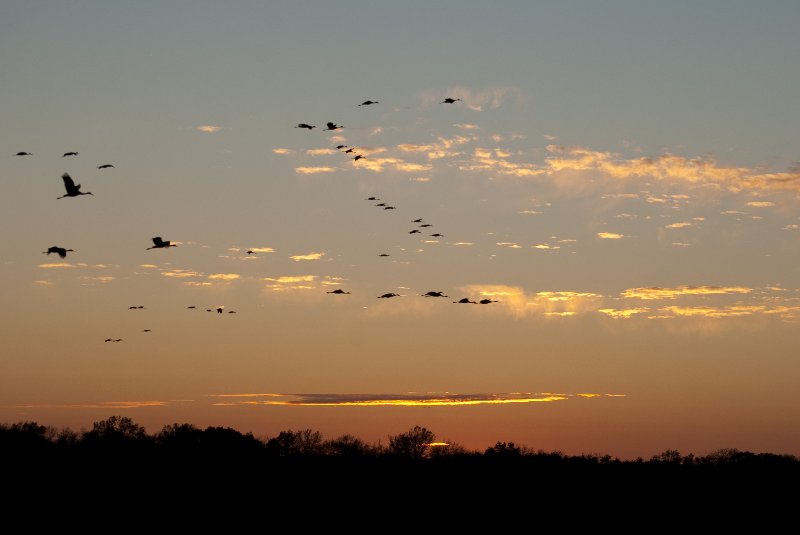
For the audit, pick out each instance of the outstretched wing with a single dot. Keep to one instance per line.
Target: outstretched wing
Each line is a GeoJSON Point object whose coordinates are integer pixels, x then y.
{"type": "Point", "coordinates": [158, 242]}
{"type": "Point", "coordinates": [331, 126]}
{"type": "Point", "coordinates": [68, 182]}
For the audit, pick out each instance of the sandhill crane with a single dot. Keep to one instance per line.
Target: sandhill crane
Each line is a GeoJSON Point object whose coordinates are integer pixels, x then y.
{"type": "Point", "coordinates": [191, 306]}
{"type": "Point", "coordinates": [368, 102]}
{"type": "Point", "coordinates": [134, 307]}
{"type": "Point", "coordinates": [434, 294]}
{"type": "Point", "coordinates": [113, 339]}
{"type": "Point", "coordinates": [60, 251]}
{"type": "Point", "coordinates": [487, 301]}
{"type": "Point", "coordinates": [348, 151]}
{"type": "Point", "coordinates": [384, 254]}
{"type": "Point", "coordinates": [449, 100]}
{"type": "Point", "coordinates": [338, 291]}
{"type": "Point", "coordinates": [465, 300]}
{"type": "Point", "coordinates": [250, 251]}
{"type": "Point", "coordinates": [69, 154]}
{"type": "Point", "coordinates": [425, 225]}
{"type": "Point", "coordinates": [387, 296]}
{"type": "Point", "coordinates": [415, 231]}
{"type": "Point", "coordinates": [158, 243]}
{"type": "Point", "coordinates": [23, 154]}
{"type": "Point", "coordinates": [372, 199]}
{"type": "Point", "coordinates": [390, 208]}
{"type": "Point", "coordinates": [333, 126]}
{"type": "Point", "coordinates": [437, 235]}
{"type": "Point", "coordinates": [340, 147]}
{"type": "Point", "coordinates": [231, 312]}
{"type": "Point", "coordinates": [358, 157]}
{"type": "Point", "coordinates": [73, 190]}
{"type": "Point", "coordinates": [381, 204]}
{"type": "Point", "coordinates": [304, 125]}
{"type": "Point", "coordinates": [105, 166]}
{"type": "Point", "coordinates": [146, 330]}
{"type": "Point", "coordinates": [417, 220]}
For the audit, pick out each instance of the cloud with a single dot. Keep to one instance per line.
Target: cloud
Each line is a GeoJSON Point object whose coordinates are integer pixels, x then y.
{"type": "Point", "coordinates": [224, 276]}
{"type": "Point", "coordinates": [262, 249]}
{"type": "Point", "coordinates": [375, 131]}
{"type": "Point", "coordinates": [624, 313]}
{"type": "Point", "coordinates": [57, 265]}
{"type": "Point", "coordinates": [148, 266]}
{"type": "Point", "coordinates": [548, 137]}
{"type": "Point", "coordinates": [44, 283]}
{"type": "Point", "coordinates": [413, 167]}
{"type": "Point", "coordinates": [546, 246]}
{"type": "Point", "coordinates": [292, 279]}
{"type": "Point", "coordinates": [196, 283]}
{"type": "Point", "coordinates": [610, 236]}
{"type": "Point", "coordinates": [409, 147]}
{"type": "Point", "coordinates": [655, 292]}
{"type": "Point", "coordinates": [463, 243]}
{"type": "Point", "coordinates": [283, 151]}
{"type": "Point", "coordinates": [529, 212]}
{"type": "Point", "coordinates": [445, 399]}
{"type": "Point", "coordinates": [320, 152]}
{"type": "Point", "coordinates": [209, 128]}
{"type": "Point", "coordinates": [682, 224]}
{"type": "Point", "coordinates": [313, 170]}
{"type": "Point", "coordinates": [420, 179]}
{"type": "Point", "coordinates": [761, 204]}
{"type": "Point", "coordinates": [714, 312]}
{"type": "Point", "coordinates": [309, 256]}
{"type": "Point", "coordinates": [509, 244]}
{"type": "Point", "coordinates": [467, 126]}
{"type": "Point", "coordinates": [181, 273]}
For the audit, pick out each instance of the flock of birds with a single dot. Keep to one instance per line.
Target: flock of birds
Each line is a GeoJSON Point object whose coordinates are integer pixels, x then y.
{"type": "Point", "coordinates": [74, 190]}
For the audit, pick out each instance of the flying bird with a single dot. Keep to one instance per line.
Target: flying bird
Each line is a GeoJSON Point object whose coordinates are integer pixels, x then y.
{"type": "Point", "coordinates": [304, 125]}
{"type": "Point", "coordinates": [113, 339]}
{"type": "Point", "coordinates": [219, 310]}
{"type": "Point", "coordinates": [369, 102]}
{"type": "Point", "coordinates": [231, 312]}
{"type": "Point", "coordinates": [69, 154]}
{"type": "Point", "coordinates": [340, 147]}
{"type": "Point", "coordinates": [381, 204]}
{"type": "Point", "coordinates": [105, 166]}
{"type": "Point", "coordinates": [465, 300]}
{"type": "Point", "coordinates": [191, 306]}
{"type": "Point", "coordinates": [449, 100]}
{"type": "Point", "coordinates": [487, 301]}
{"type": "Point", "coordinates": [348, 151]}
{"type": "Point", "coordinates": [384, 254]}
{"type": "Point", "coordinates": [338, 291]}
{"type": "Point", "coordinates": [415, 231]}
{"type": "Point", "coordinates": [251, 252]}
{"type": "Point", "coordinates": [417, 220]}
{"type": "Point", "coordinates": [158, 243]}
{"type": "Point", "coordinates": [333, 126]}
{"type": "Point", "coordinates": [372, 199]}
{"type": "Point", "coordinates": [73, 190]}
{"type": "Point", "coordinates": [358, 157]}
{"type": "Point", "coordinates": [425, 225]}
{"type": "Point", "coordinates": [434, 294]}
{"type": "Point", "coordinates": [387, 296]}
{"type": "Point", "coordinates": [23, 154]}
{"type": "Point", "coordinates": [134, 307]}
{"type": "Point", "coordinates": [60, 251]}
{"type": "Point", "coordinates": [437, 235]}
{"type": "Point", "coordinates": [389, 208]}
{"type": "Point", "coordinates": [146, 330]}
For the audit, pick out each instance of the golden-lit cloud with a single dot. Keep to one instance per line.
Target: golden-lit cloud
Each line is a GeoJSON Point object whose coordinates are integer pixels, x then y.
{"type": "Point", "coordinates": [761, 204]}
{"type": "Point", "coordinates": [262, 249]}
{"type": "Point", "coordinates": [313, 170]}
{"type": "Point", "coordinates": [181, 273]}
{"type": "Point", "coordinates": [224, 276]}
{"type": "Point", "coordinates": [714, 312]}
{"type": "Point", "coordinates": [420, 179]}
{"type": "Point", "coordinates": [309, 256]}
{"type": "Point", "coordinates": [320, 152]}
{"type": "Point", "coordinates": [283, 151]}
{"type": "Point", "coordinates": [292, 279]}
{"type": "Point", "coordinates": [412, 167]}
{"type": "Point", "coordinates": [148, 266]}
{"type": "Point", "coordinates": [463, 243]}
{"type": "Point", "coordinates": [623, 313]}
{"type": "Point", "coordinates": [57, 265]}
{"type": "Point", "coordinates": [196, 283]}
{"type": "Point", "coordinates": [467, 126]}
{"type": "Point", "coordinates": [655, 292]}
{"type": "Point", "coordinates": [410, 147]}
{"type": "Point", "coordinates": [44, 283]}
{"type": "Point", "coordinates": [681, 224]}
{"type": "Point", "coordinates": [209, 128]}
{"type": "Point", "coordinates": [610, 236]}
{"type": "Point", "coordinates": [445, 399]}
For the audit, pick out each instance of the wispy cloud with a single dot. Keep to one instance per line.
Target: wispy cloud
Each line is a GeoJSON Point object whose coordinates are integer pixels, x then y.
{"type": "Point", "coordinates": [610, 236]}
{"type": "Point", "coordinates": [445, 399]}
{"type": "Point", "coordinates": [420, 179]}
{"type": "Point", "coordinates": [467, 126]}
{"type": "Point", "coordinates": [761, 204]}
{"type": "Point", "coordinates": [623, 313]}
{"type": "Point", "coordinates": [283, 151]}
{"type": "Point", "coordinates": [262, 249]}
{"type": "Point", "coordinates": [209, 128]}
{"type": "Point", "coordinates": [309, 256]}
{"type": "Point", "coordinates": [57, 265]}
{"type": "Point", "coordinates": [681, 224]}
{"type": "Point", "coordinates": [224, 276]}
{"type": "Point", "coordinates": [320, 152]}
{"type": "Point", "coordinates": [181, 273]}
{"type": "Point", "coordinates": [655, 292]}
{"type": "Point", "coordinates": [313, 170]}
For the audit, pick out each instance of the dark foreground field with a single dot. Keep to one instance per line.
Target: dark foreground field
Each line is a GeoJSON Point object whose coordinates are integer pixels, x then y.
{"type": "Point", "coordinates": [117, 463]}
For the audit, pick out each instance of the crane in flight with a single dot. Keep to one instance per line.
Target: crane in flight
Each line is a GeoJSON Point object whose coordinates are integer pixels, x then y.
{"type": "Point", "coordinates": [158, 243]}
{"type": "Point", "coordinates": [73, 190]}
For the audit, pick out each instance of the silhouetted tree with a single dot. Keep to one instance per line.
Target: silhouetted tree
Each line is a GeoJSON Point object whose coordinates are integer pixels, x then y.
{"type": "Point", "coordinates": [116, 432]}
{"type": "Point", "coordinates": [667, 456]}
{"type": "Point", "coordinates": [348, 446]}
{"type": "Point", "coordinates": [26, 437]}
{"type": "Point", "coordinates": [291, 443]}
{"type": "Point", "coordinates": [412, 444]}
{"type": "Point", "coordinates": [503, 450]}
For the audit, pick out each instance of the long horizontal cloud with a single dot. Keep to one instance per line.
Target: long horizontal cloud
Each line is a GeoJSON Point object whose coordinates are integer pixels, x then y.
{"type": "Point", "coordinates": [396, 400]}
{"type": "Point", "coordinates": [655, 292]}
{"type": "Point", "coordinates": [313, 170]}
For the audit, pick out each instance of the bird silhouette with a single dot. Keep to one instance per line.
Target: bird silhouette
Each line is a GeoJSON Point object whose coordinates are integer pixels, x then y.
{"type": "Point", "coordinates": [73, 190]}
{"type": "Point", "coordinates": [105, 166]}
{"type": "Point", "coordinates": [415, 231]}
{"type": "Point", "coordinates": [358, 157]}
{"type": "Point", "coordinates": [437, 235]}
{"type": "Point", "coordinates": [191, 306]}
{"type": "Point", "coordinates": [487, 301]}
{"type": "Point", "coordinates": [231, 312]}
{"type": "Point", "coordinates": [113, 339]}
{"type": "Point", "coordinates": [219, 310]}
{"type": "Point", "coordinates": [60, 251]}
{"type": "Point", "coordinates": [251, 252]}
{"type": "Point", "coordinates": [372, 199]}
{"type": "Point", "coordinates": [304, 125]}
{"type": "Point", "coordinates": [338, 291]}
{"type": "Point", "coordinates": [465, 300]}
{"type": "Point", "coordinates": [348, 151]}
{"type": "Point", "coordinates": [425, 225]}
{"type": "Point", "coordinates": [368, 102]}
{"type": "Point", "coordinates": [434, 294]}
{"type": "Point", "coordinates": [146, 330]}
{"type": "Point", "coordinates": [69, 154]}
{"type": "Point", "coordinates": [23, 154]}
{"type": "Point", "coordinates": [134, 307]}
{"type": "Point", "coordinates": [384, 254]}
{"type": "Point", "coordinates": [449, 100]}
{"type": "Point", "coordinates": [333, 126]}
{"type": "Point", "coordinates": [390, 208]}
{"type": "Point", "coordinates": [158, 243]}
{"type": "Point", "coordinates": [387, 296]}
{"type": "Point", "coordinates": [340, 147]}
{"type": "Point", "coordinates": [381, 204]}
{"type": "Point", "coordinates": [417, 220]}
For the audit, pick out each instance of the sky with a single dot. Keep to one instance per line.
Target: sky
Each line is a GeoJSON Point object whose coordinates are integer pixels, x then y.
{"type": "Point", "coordinates": [619, 179]}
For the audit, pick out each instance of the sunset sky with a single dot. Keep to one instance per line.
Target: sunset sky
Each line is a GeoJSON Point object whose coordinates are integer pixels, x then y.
{"type": "Point", "coordinates": [621, 178]}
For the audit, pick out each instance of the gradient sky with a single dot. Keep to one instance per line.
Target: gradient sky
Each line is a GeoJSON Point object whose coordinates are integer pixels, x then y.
{"type": "Point", "coordinates": [621, 177]}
